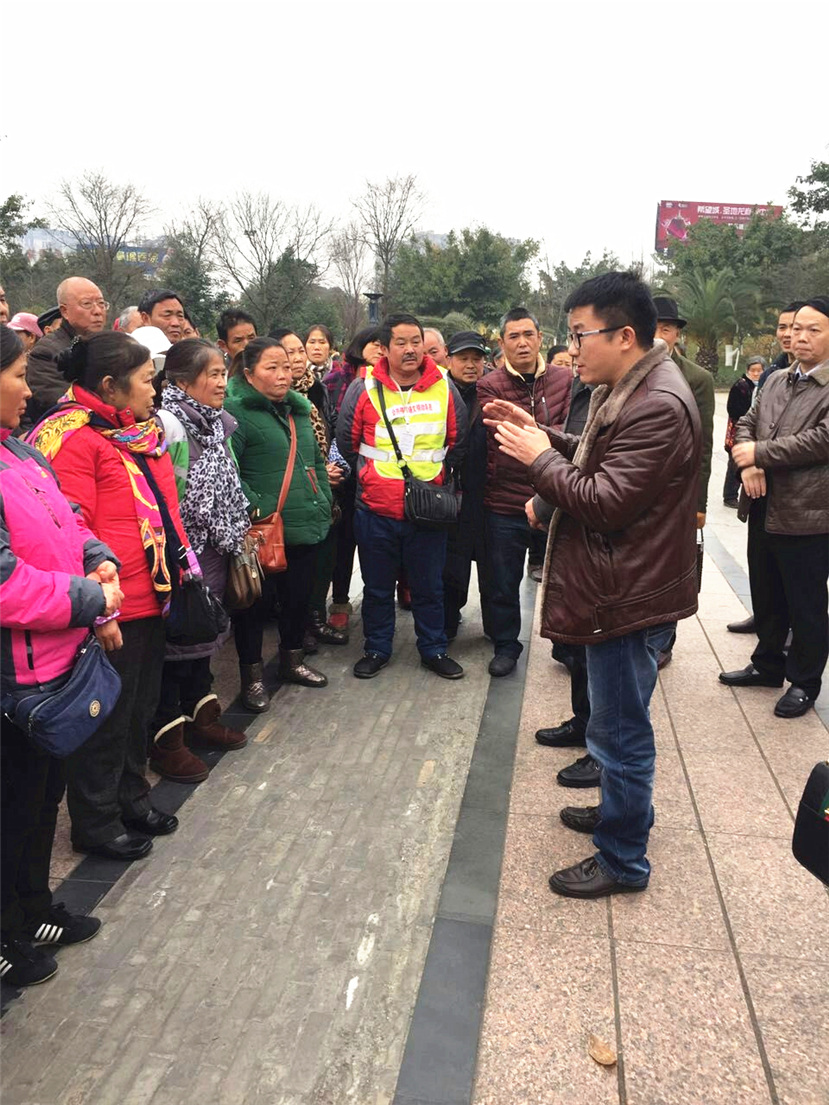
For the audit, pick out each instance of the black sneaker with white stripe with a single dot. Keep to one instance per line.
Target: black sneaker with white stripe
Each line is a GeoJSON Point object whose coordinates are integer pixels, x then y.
{"type": "Point", "coordinates": [21, 964]}
{"type": "Point", "coordinates": [59, 926]}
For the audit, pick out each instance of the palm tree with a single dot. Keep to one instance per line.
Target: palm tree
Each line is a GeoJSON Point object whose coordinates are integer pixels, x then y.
{"type": "Point", "coordinates": [718, 308]}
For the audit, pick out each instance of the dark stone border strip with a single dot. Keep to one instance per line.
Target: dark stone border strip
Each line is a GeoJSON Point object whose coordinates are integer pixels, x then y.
{"type": "Point", "coordinates": [738, 581]}
{"type": "Point", "coordinates": [441, 1052]}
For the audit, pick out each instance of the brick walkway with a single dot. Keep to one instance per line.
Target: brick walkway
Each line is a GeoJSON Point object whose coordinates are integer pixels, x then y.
{"type": "Point", "coordinates": [272, 950]}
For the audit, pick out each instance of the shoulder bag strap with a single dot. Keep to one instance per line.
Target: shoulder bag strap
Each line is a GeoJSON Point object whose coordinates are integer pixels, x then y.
{"type": "Point", "coordinates": [173, 540]}
{"type": "Point", "coordinates": [289, 467]}
{"type": "Point", "coordinates": [403, 466]}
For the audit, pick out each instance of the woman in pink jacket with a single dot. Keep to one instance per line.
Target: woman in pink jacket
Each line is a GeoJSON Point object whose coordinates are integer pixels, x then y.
{"type": "Point", "coordinates": [56, 578]}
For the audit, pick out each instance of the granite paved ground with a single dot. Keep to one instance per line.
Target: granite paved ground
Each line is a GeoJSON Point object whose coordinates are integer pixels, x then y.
{"type": "Point", "coordinates": [713, 986]}
{"type": "Point", "coordinates": [272, 949]}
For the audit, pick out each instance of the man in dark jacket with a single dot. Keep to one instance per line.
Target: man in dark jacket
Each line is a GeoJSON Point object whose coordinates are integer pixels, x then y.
{"type": "Point", "coordinates": [84, 312]}
{"type": "Point", "coordinates": [543, 391]}
{"type": "Point", "coordinates": [465, 542]}
{"type": "Point", "coordinates": [621, 562]}
{"type": "Point", "coordinates": [782, 450]}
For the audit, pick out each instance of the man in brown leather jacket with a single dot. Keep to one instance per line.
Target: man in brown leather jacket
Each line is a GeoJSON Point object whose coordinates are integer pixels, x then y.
{"type": "Point", "coordinates": [621, 562]}
{"type": "Point", "coordinates": [782, 449]}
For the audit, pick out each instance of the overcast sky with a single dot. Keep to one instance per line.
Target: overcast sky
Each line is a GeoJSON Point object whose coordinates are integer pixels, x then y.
{"type": "Point", "coordinates": [562, 122]}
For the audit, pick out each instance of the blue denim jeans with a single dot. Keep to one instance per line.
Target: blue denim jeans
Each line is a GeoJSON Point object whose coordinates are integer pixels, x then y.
{"type": "Point", "coordinates": [388, 546]}
{"type": "Point", "coordinates": [621, 676]}
{"type": "Point", "coordinates": [508, 537]}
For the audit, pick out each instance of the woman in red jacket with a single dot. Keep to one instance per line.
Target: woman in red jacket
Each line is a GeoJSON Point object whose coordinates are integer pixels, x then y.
{"type": "Point", "coordinates": [98, 439]}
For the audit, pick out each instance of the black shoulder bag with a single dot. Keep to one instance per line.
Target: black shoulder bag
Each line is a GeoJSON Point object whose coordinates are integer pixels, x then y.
{"type": "Point", "coordinates": [427, 505]}
{"type": "Point", "coordinates": [196, 617]}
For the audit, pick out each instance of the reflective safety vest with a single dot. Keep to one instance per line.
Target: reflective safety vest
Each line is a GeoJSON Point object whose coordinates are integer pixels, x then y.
{"type": "Point", "coordinates": [418, 419]}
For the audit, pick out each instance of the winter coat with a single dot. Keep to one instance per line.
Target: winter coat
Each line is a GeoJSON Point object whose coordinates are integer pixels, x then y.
{"type": "Point", "coordinates": [337, 382]}
{"type": "Point", "coordinates": [623, 555]}
{"type": "Point", "coordinates": [465, 541]}
{"type": "Point", "coordinates": [42, 374]}
{"type": "Point", "coordinates": [547, 399]}
{"type": "Point", "coordinates": [739, 398]}
{"type": "Point", "coordinates": [701, 384]}
{"type": "Point", "coordinates": [790, 423]}
{"type": "Point", "coordinates": [184, 451]}
{"type": "Point", "coordinates": [93, 474]}
{"type": "Point", "coordinates": [46, 603]}
{"type": "Point", "coordinates": [357, 429]}
{"type": "Point", "coordinates": [260, 444]}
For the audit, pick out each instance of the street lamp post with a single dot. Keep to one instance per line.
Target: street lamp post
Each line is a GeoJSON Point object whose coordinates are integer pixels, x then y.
{"type": "Point", "coordinates": [373, 306]}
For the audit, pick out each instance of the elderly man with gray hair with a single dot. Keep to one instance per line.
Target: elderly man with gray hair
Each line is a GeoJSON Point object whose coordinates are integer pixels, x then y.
{"type": "Point", "coordinates": [128, 320]}
{"type": "Point", "coordinates": [84, 312]}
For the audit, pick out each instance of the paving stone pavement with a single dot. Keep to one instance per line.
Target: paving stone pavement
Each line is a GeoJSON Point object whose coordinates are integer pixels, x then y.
{"type": "Point", "coordinates": [713, 985]}
{"type": "Point", "coordinates": [272, 948]}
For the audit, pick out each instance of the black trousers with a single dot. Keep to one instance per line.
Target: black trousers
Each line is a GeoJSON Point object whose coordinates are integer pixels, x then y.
{"type": "Point", "coordinates": [346, 544]}
{"type": "Point", "coordinates": [31, 787]}
{"type": "Point", "coordinates": [292, 588]}
{"type": "Point", "coordinates": [788, 588]}
{"type": "Point", "coordinates": [575, 658]}
{"type": "Point", "coordinates": [732, 482]}
{"type": "Point", "coordinates": [106, 777]}
{"type": "Point", "coordinates": [184, 683]}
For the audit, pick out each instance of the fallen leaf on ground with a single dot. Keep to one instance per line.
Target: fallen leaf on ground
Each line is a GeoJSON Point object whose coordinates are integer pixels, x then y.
{"type": "Point", "coordinates": [600, 1051]}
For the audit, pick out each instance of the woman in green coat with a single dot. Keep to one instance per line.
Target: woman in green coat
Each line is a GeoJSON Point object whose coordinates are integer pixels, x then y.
{"type": "Point", "coordinates": [260, 399]}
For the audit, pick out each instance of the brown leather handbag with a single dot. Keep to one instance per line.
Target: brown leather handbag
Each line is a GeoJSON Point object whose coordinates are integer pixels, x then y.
{"type": "Point", "coordinates": [270, 532]}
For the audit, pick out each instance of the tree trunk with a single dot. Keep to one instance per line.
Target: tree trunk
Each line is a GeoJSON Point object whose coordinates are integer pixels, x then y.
{"type": "Point", "coordinates": [707, 357]}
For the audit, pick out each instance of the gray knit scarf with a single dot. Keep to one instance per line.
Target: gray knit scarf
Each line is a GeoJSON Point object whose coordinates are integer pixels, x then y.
{"type": "Point", "coordinates": [214, 507]}
{"type": "Point", "coordinates": [605, 407]}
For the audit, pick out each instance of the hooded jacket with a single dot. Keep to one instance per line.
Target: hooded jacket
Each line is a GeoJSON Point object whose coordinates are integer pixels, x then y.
{"type": "Point", "coordinates": [46, 603]}
{"type": "Point", "coordinates": [621, 554]}
{"type": "Point", "coordinates": [547, 399]}
{"type": "Point", "coordinates": [261, 442]}
{"type": "Point", "coordinates": [790, 423]}
{"type": "Point", "coordinates": [380, 485]}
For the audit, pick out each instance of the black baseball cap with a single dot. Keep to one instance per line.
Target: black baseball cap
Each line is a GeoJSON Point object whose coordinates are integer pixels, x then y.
{"type": "Point", "coordinates": [466, 339]}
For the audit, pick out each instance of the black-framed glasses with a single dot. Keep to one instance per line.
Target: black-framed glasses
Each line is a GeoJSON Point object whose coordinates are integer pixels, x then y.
{"type": "Point", "coordinates": [575, 339]}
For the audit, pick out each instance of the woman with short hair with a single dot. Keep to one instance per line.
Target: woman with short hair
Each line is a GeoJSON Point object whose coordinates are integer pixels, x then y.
{"type": "Point", "coordinates": [214, 512]}
{"type": "Point", "coordinates": [56, 580]}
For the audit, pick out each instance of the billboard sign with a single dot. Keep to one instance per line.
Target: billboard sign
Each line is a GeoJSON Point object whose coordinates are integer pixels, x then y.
{"type": "Point", "coordinates": [674, 218]}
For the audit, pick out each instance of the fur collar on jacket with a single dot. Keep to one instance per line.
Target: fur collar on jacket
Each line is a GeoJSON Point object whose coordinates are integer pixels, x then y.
{"type": "Point", "coordinates": [606, 404]}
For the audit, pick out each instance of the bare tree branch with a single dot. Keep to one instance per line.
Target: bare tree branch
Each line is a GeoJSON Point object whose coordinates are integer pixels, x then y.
{"type": "Point", "coordinates": [387, 215]}
{"type": "Point", "coordinates": [349, 259]}
{"type": "Point", "coordinates": [103, 217]}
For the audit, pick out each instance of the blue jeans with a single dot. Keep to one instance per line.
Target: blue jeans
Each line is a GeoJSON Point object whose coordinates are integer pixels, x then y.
{"type": "Point", "coordinates": [508, 537]}
{"type": "Point", "coordinates": [621, 676]}
{"type": "Point", "coordinates": [388, 546]}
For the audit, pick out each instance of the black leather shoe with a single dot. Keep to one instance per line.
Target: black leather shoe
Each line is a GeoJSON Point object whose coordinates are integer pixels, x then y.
{"type": "Point", "coordinates": [587, 880]}
{"type": "Point", "coordinates": [794, 703]}
{"type": "Point", "coordinates": [327, 634]}
{"type": "Point", "coordinates": [732, 503]}
{"type": "Point", "coordinates": [745, 626]}
{"type": "Point", "coordinates": [442, 665]}
{"type": "Point", "coordinates": [369, 665]}
{"type": "Point", "coordinates": [748, 676]}
{"type": "Point", "coordinates": [155, 823]}
{"type": "Point", "coordinates": [502, 665]}
{"type": "Point", "coordinates": [568, 735]}
{"type": "Point", "coordinates": [127, 846]}
{"type": "Point", "coordinates": [583, 819]}
{"type": "Point", "coordinates": [585, 772]}
{"type": "Point", "coordinates": [663, 659]}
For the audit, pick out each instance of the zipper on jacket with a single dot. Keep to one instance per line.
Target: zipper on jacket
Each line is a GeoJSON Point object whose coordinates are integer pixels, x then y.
{"type": "Point", "coordinates": [41, 497]}
{"type": "Point", "coordinates": [30, 654]}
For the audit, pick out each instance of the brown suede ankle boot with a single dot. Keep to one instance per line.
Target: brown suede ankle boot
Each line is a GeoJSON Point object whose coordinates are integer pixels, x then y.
{"type": "Point", "coordinates": [170, 758]}
{"type": "Point", "coordinates": [293, 669]}
{"type": "Point", "coordinates": [205, 728]}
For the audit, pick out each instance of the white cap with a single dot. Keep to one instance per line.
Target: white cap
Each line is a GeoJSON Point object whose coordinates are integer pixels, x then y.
{"type": "Point", "coordinates": [154, 339]}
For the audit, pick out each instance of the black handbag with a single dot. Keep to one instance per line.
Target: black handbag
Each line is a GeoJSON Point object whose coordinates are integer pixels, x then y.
{"type": "Point", "coordinates": [810, 842]}
{"type": "Point", "coordinates": [61, 715]}
{"type": "Point", "coordinates": [196, 617]}
{"type": "Point", "coordinates": [427, 505]}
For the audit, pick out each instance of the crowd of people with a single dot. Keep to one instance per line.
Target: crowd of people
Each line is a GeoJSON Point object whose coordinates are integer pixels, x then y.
{"type": "Point", "coordinates": [136, 459]}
